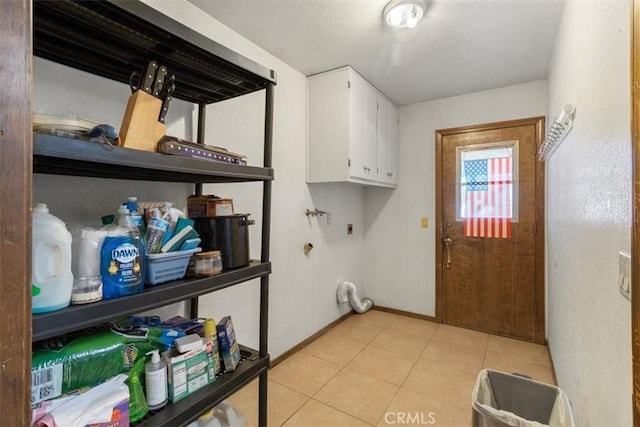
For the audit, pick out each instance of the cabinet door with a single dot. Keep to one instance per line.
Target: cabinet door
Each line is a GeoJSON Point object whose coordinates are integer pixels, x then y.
{"type": "Point", "coordinates": [383, 139]}
{"type": "Point", "coordinates": [387, 142]}
{"type": "Point", "coordinates": [371, 146]}
{"type": "Point", "coordinates": [392, 173]}
{"type": "Point", "coordinates": [329, 127]}
{"type": "Point", "coordinates": [359, 101]}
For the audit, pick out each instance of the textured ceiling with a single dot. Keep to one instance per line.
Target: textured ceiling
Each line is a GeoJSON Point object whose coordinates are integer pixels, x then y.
{"type": "Point", "coordinates": [460, 46]}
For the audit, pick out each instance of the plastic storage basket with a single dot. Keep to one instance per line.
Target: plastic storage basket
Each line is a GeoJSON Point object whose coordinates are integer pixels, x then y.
{"type": "Point", "coordinates": [163, 268]}
{"type": "Point", "coordinates": [501, 399]}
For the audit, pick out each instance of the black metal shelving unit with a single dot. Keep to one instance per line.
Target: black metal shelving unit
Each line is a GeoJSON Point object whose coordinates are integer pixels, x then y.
{"type": "Point", "coordinates": [111, 39]}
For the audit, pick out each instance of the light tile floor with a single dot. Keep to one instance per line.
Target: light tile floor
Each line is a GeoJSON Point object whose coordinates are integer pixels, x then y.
{"type": "Point", "coordinates": [374, 368]}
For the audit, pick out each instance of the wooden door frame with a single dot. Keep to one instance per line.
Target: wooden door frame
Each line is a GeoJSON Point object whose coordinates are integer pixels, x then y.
{"type": "Point", "coordinates": [539, 123]}
{"type": "Point", "coordinates": [15, 213]}
{"type": "Point", "coordinates": [635, 239]}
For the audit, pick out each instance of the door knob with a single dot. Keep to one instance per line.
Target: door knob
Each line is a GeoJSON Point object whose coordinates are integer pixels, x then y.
{"type": "Point", "coordinates": [448, 241]}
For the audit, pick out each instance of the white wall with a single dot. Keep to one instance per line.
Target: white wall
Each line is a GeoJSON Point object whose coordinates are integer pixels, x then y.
{"type": "Point", "coordinates": [589, 213]}
{"type": "Point", "coordinates": [400, 261]}
{"type": "Point", "coordinates": [302, 289]}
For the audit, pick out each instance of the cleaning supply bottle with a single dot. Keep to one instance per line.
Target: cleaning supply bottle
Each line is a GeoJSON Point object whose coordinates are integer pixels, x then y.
{"type": "Point", "coordinates": [211, 341]}
{"type": "Point", "coordinates": [122, 258]}
{"type": "Point", "coordinates": [51, 276]}
{"type": "Point", "coordinates": [208, 419]}
{"type": "Point", "coordinates": [136, 214]}
{"type": "Point", "coordinates": [155, 374]}
{"type": "Point", "coordinates": [138, 407]}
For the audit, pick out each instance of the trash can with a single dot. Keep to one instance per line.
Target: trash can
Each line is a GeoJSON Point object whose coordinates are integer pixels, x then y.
{"type": "Point", "coordinates": [500, 399]}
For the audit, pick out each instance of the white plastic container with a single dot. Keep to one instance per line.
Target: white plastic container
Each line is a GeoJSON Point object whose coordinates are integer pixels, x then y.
{"type": "Point", "coordinates": [51, 277]}
{"type": "Point", "coordinates": [156, 381]}
{"type": "Point", "coordinates": [229, 416]}
{"type": "Point", "coordinates": [85, 263]}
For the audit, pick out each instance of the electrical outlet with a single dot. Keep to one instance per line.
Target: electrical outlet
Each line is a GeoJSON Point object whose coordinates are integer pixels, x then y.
{"type": "Point", "coordinates": [624, 274]}
{"type": "Point", "coordinates": [328, 218]}
{"type": "Point", "coordinates": [424, 222]}
{"type": "Point", "coordinates": [349, 228]}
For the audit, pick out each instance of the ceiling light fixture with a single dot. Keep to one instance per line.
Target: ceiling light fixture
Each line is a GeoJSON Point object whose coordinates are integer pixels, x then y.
{"type": "Point", "coordinates": [403, 13]}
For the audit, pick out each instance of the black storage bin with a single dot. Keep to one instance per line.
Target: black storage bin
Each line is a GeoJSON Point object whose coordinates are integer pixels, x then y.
{"type": "Point", "coordinates": [228, 234]}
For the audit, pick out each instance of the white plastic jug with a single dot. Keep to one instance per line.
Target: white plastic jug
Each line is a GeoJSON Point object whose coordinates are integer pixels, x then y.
{"type": "Point", "coordinates": [229, 416]}
{"type": "Point", "coordinates": [51, 277]}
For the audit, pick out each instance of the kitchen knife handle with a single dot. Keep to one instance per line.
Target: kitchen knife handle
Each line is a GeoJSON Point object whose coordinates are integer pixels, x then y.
{"type": "Point", "coordinates": [149, 77]}
{"type": "Point", "coordinates": [159, 81]}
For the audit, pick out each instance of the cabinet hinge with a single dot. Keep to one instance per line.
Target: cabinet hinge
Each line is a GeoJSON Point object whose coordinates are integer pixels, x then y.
{"type": "Point", "coordinates": [348, 84]}
{"type": "Point", "coordinates": [349, 162]}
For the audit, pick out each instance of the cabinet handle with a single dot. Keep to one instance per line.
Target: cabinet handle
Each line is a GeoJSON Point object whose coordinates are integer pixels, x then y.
{"type": "Point", "coordinates": [389, 174]}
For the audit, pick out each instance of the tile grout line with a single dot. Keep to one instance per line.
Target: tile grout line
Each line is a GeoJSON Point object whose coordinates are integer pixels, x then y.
{"type": "Point", "coordinates": [345, 367]}
{"type": "Point", "coordinates": [386, 410]}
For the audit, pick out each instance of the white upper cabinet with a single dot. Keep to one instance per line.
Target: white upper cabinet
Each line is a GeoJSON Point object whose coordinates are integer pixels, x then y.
{"type": "Point", "coordinates": [387, 142]}
{"type": "Point", "coordinates": [350, 122]}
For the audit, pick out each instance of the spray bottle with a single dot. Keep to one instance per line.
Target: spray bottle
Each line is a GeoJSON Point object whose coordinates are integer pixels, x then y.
{"type": "Point", "coordinates": [138, 407]}
{"type": "Point", "coordinates": [156, 381]}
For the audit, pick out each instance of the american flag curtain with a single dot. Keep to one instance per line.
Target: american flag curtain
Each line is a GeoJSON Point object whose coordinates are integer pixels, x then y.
{"type": "Point", "coordinates": [488, 197]}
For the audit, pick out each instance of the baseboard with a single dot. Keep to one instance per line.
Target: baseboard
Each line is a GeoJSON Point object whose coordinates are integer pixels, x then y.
{"type": "Point", "coordinates": [405, 313]}
{"type": "Point", "coordinates": [293, 350]}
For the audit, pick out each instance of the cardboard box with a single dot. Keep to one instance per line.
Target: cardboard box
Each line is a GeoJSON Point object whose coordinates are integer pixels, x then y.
{"type": "Point", "coordinates": [229, 349]}
{"type": "Point", "coordinates": [187, 372]}
{"type": "Point", "coordinates": [208, 205]}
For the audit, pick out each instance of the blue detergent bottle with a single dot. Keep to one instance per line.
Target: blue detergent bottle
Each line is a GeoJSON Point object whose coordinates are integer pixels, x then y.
{"type": "Point", "coordinates": [122, 260]}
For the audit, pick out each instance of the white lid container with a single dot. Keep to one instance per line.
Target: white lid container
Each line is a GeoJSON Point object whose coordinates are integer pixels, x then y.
{"type": "Point", "coordinates": [51, 277]}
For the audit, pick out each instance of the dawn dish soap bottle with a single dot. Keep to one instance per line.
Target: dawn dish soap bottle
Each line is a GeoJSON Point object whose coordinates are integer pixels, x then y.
{"type": "Point", "coordinates": [122, 258]}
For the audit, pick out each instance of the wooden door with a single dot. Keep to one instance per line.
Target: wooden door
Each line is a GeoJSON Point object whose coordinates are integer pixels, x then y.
{"type": "Point", "coordinates": [490, 240]}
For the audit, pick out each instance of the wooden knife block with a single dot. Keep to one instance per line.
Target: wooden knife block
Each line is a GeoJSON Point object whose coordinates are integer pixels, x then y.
{"type": "Point", "coordinates": [140, 126]}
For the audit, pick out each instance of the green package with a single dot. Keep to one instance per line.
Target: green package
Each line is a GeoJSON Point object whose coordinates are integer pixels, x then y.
{"type": "Point", "coordinates": [63, 364]}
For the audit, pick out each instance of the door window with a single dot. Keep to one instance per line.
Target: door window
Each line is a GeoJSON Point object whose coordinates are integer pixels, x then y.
{"type": "Point", "coordinates": [486, 190]}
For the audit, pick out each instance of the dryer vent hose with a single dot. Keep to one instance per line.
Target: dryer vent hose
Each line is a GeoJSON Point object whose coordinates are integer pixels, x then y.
{"type": "Point", "coordinates": [346, 293]}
